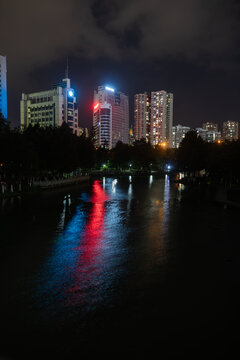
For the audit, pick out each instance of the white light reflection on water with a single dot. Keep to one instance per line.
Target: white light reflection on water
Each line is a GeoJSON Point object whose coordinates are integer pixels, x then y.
{"type": "Point", "coordinates": [166, 198]}
{"type": "Point", "coordinates": [150, 181]}
{"type": "Point", "coordinates": [129, 197]}
{"type": "Point", "coordinates": [114, 183]}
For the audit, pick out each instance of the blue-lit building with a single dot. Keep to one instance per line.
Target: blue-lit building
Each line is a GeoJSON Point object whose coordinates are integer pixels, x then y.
{"type": "Point", "coordinates": [51, 107]}
{"type": "Point", "coordinates": [3, 86]}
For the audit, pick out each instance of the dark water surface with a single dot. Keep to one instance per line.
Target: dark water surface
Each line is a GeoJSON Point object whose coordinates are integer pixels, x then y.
{"type": "Point", "coordinates": [121, 266]}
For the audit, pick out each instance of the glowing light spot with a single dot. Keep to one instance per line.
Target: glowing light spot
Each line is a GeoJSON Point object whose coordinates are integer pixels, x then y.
{"type": "Point", "coordinates": [109, 88]}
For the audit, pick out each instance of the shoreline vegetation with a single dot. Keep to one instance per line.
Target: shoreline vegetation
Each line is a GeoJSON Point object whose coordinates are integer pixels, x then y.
{"type": "Point", "coordinates": [46, 158]}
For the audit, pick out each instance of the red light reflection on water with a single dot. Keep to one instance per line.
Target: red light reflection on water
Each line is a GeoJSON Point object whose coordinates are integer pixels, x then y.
{"type": "Point", "coordinates": [87, 273]}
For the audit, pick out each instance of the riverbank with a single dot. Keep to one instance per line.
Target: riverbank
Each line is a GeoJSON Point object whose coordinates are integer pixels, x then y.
{"type": "Point", "coordinates": [38, 186]}
{"type": "Point", "coordinates": [226, 195]}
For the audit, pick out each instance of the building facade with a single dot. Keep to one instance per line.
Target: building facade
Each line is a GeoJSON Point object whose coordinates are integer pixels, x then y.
{"type": "Point", "coordinates": [102, 123]}
{"type": "Point", "coordinates": [83, 131]}
{"type": "Point", "coordinates": [3, 86]}
{"type": "Point", "coordinates": [178, 134]}
{"type": "Point", "coordinates": [141, 116]}
{"type": "Point", "coordinates": [51, 107]}
{"type": "Point", "coordinates": [212, 136]}
{"type": "Point", "coordinates": [209, 126]}
{"type": "Point", "coordinates": [202, 132]}
{"type": "Point", "coordinates": [119, 115]}
{"type": "Point", "coordinates": [161, 117]}
{"type": "Point", "coordinates": [230, 130]}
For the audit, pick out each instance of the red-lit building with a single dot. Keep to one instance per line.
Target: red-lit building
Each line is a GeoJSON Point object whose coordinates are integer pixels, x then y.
{"type": "Point", "coordinates": [118, 103]}
{"type": "Point", "coordinates": [102, 123]}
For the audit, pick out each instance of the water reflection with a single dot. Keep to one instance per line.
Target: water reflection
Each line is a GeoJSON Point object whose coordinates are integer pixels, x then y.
{"type": "Point", "coordinates": [91, 248]}
{"type": "Point", "coordinates": [166, 197]}
{"type": "Point", "coordinates": [150, 181]}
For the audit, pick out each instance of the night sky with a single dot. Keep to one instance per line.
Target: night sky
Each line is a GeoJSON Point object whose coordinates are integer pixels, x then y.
{"type": "Point", "coordinates": [188, 47]}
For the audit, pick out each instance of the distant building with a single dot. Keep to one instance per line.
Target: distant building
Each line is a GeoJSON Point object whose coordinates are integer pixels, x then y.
{"type": "Point", "coordinates": [114, 104]}
{"type": "Point", "coordinates": [141, 116]}
{"type": "Point", "coordinates": [3, 86]}
{"type": "Point", "coordinates": [161, 117]}
{"type": "Point", "coordinates": [230, 130]}
{"type": "Point", "coordinates": [212, 136]}
{"type": "Point", "coordinates": [209, 126]}
{"type": "Point", "coordinates": [83, 131]}
{"type": "Point", "coordinates": [178, 134]}
{"type": "Point", "coordinates": [51, 107]}
{"type": "Point", "coordinates": [131, 136]}
{"type": "Point", "coordinates": [202, 132]}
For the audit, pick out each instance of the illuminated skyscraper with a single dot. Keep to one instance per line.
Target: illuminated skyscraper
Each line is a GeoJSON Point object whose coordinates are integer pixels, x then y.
{"type": "Point", "coordinates": [141, 116]}
{"type": "Point", "coordinates": [3, 86]}
{"type": "Point", "coordinates": [119, 113]}
{"type": "Point", "coordinates": [230, 130]}
{"type": "Point", "coordinates": [161, 117]}
{"type": "Point", "coordinates": [51, 107]}
{"type": "Point", "coordinates": [102, 123]}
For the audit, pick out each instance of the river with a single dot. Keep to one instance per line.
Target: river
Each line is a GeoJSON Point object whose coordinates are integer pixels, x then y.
{"type": "Point", "coordinates": [119, 266]}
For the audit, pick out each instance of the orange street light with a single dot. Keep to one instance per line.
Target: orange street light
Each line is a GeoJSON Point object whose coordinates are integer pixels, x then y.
{"type": "Point", "coordinates": [163, 145]}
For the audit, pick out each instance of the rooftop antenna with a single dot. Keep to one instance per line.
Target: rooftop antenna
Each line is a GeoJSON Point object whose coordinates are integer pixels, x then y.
{"type": "Point", "coordinates": [66, 72]}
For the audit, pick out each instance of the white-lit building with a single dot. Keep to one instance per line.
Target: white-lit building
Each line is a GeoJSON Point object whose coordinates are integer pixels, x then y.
{"type": "Point", "coordinates": [102, 123]}
{"type": "Point", "coordinates": [212, 136]}
{"type": "Point", "coordinates": [141, 116]}
{"type": "Point", "coordinates": [161, 117]}
{"type": "Point", "coordinates": [230, 130]}
{"type": "Point", "coordinates": [178, 134]}
{"type": "Point", "coordinates": [119, 112]}
{"type": "Point", "coordinates": [3, 86]}
{"type": "Point", "coordinates": [50, 107]}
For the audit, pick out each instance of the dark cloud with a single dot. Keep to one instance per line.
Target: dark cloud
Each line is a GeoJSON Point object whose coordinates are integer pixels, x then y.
{"type": "Point", "coordinates": [152, 35]}
{"type": "Point", "coordinates": [37, 32]}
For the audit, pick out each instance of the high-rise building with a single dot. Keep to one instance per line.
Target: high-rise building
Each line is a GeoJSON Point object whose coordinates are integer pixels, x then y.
{"type": "Point", "coordinates": [178, 134]}
{"type": "Point", "coordinates": [51, 107]}
{"type": "Point", "coordinates": [212, 136]}
{"type": "Point", "coordinates": [119, 109]}
{"type": "Point", "coordinates": [102, 123]}
{"type": "Point", "coordinates": [3, 86]}
{"type": "Point", "coordinates": [161, 117]}
{"type": "Point", "coordinates": [209, 126]}
{"type": "Point", "coordinates": [230, 130]}
{"type": "Point", "coordinates": [141, 116]}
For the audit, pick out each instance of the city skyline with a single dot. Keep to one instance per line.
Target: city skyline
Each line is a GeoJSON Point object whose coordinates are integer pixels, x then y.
{"type": "Point", "coordinates": [208, 131]}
